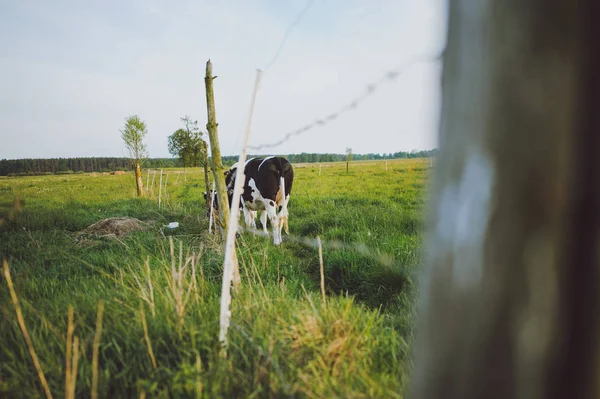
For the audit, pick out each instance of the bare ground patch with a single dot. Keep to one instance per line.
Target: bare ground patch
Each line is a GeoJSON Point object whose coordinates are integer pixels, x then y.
{"type": "Point", "coordinates": [112, 228]}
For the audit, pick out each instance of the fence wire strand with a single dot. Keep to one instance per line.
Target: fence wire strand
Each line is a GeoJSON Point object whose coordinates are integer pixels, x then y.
{"type": "Point", "coordinates": [388, 77]}
{"type": "Point", "coordinates": [289, 30]}
{"type": "Point", "coordinates": [362, 249]}
{"type": "Point", "coordinates": [291, 27]}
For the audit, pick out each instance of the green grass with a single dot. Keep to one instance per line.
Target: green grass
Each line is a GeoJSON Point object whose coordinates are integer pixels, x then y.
{"type": "Point", "coordinates": [283, 341]}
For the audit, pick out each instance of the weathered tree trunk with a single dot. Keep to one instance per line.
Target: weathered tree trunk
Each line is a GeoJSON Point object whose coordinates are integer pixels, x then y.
{"type": "Point", "coordinates": [138, 180]}
{"type": "Point", "coordinates": [217, 163]}
{"type": "Point", "coordinates": [509, 303]}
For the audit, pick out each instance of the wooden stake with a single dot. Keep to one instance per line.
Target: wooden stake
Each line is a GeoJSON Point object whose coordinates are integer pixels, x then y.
{"type": "Point", "coordinates": [213, 135]}
{"type": "Point", "coordinates": [153, 178]}
{"type": "Point", "coordinates": [217, 163]}
{"type": "Point", "coordinates": [147, 181]}
{"type": "Point", "coordinates": [166, 192]}
{"type": "Point", "coordinates": [322, 267]}
{"type": "Point", "coordinates": [160, 188]}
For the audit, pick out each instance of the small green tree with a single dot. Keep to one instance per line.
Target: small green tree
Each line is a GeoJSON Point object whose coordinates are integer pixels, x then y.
{"type": "Point", "coordinates": [180, 146]}
{"type": "Point", "coordinates": [187, 144]}
{"type": "Point", "coordinates": [133, 135]}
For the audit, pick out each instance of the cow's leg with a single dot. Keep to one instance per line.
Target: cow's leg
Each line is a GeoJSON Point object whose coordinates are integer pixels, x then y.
{"type": "Point", "coordinates": [249, 217]}
{"type": "Point", "coordinates": [271, 209]}
{"type": "Point", "coordinates": [263, 221]}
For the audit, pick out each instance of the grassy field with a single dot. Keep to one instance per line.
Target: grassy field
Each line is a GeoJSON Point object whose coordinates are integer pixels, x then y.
{"type": "Point", "coordinates": [159, 333]}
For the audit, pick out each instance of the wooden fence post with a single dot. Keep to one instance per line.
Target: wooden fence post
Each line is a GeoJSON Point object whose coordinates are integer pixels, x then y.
{"type": "Point", "coordinates": [153, 178]}
{"type": "Point", "coordinates": [217, 163]}
{"type": "Point", "coordinates": [160, 188]}
{"type": "Point", "coordinates": [148, 182]}
{"type": "Point", "coordinates": [166, 192]}
{"type": "Point", "coordinates": [510, 306]}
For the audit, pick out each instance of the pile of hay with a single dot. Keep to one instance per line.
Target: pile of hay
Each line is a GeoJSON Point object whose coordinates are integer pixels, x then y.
{"type": "Point", "coordinates": [113, 228]}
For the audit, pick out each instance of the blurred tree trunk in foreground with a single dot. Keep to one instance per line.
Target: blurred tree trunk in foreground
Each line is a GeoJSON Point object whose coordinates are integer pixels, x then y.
{"type": "Point", "coordinates": [509, 303]}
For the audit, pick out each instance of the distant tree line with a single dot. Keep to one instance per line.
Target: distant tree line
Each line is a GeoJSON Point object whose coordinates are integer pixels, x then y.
{"type": "Point", "coordinates": [314, 157]}
{"type": "Point", "coordinates": [77, 165]}
{"type": "Point", "coordinates": [10, 167]}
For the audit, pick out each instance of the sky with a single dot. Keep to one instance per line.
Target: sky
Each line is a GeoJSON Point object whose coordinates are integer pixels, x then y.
{"type": "Point", "coordinates": [72, 71]}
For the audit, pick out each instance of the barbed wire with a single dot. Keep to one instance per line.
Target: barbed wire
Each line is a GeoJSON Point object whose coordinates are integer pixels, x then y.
{"type": "Point", "coordinates": [291, 27]}
{"type": "Point", "coordinates": [388, 77]}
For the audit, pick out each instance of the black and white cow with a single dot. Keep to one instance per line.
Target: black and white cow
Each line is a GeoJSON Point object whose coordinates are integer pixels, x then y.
{"type": "Point", "coordinates": [267, 188]}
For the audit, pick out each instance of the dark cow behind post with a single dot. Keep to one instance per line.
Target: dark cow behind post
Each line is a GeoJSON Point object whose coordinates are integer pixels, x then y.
{"type": "Point", "coordinates": [212, 197]}
{"type": "Point", "coordinates": [267, 188]}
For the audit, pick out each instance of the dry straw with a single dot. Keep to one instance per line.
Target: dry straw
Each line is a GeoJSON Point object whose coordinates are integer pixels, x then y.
{"type": "Point", "coordinates": [21, 321]}
{"type": "Point", "coordinates": [322, 267]}
{"type": "Point", "coordinates": [70, 391]}
{"type": "Point", "coordinates": [68, 350]}
{"type": "Point", "coordinates": [72, 357]}
{"type": "Point", "coordinates": [147, 337]}
{"type": "Point", "coordinates": [95, 350]}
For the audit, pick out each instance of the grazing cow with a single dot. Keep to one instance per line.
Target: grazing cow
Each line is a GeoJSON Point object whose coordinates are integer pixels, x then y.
{"type": "Point", "coordinates": [267, 188]}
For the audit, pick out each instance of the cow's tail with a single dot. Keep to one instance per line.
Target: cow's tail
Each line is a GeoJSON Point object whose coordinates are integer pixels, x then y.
{"type": "Point", "coordinates": [283, 215]}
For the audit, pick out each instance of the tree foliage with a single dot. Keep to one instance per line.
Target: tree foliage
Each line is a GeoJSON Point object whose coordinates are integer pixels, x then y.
{"type": "Point", "coordinates": [133, 135]}
{"type": "Point", "coordinates": [187, 143]}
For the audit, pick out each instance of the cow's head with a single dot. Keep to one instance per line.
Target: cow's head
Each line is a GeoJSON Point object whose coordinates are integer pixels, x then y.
{"type": "Point", "coordinates": [229, 182]}
{"type": "Point", "coordinates": [208, 198]}
{"type": "Point", "coordinates": [229, 175]}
